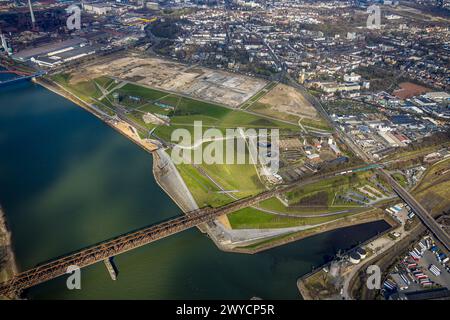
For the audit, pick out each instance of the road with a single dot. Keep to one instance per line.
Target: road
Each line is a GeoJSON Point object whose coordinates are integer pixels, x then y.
{"type": "Point", "coordinates": [379, 247]}
{"type": "Point", "coordinates": [316, 103]}
{"type": "Point", "coordinates": [420, 211]}
{"type": "Point", "coordinates": [236, 109]}
{"type": "Point", "coordinates": [425, 217]}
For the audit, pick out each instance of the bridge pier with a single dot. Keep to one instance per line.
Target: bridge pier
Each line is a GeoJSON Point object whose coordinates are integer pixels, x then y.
{"type": "Point", "coordinates": [111, 268]}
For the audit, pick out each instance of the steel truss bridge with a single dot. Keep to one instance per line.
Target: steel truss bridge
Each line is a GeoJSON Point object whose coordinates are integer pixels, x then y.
{"type": "Point", "coordinates": [132, 240]}
{"type": "Point", "coordinates": [146, 235]}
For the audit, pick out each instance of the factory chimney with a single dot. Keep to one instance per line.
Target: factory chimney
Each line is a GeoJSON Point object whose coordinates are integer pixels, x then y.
{"type": "Point", "coordinates": [33, 21]}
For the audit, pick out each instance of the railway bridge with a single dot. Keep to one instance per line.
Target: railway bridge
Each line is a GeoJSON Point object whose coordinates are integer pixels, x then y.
{"type": "Point", "coordinates": [146, 235]}
{"type": "Point", "coordinates": [132, 240]}
{"type": "Point", "coordinates": [21, 75]}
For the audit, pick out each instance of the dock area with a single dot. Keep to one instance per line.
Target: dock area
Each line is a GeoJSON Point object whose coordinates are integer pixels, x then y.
{"type": "Point", "coordinates": [331, 280]}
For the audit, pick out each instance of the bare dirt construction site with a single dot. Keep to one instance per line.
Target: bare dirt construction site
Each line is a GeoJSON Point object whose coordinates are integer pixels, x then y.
{"type": "Point", "coordinates": [286, 103]}
{"type": "Point", "coordinates": [408, 90]}
{"type": "Point", "coordinates": [201, 83]}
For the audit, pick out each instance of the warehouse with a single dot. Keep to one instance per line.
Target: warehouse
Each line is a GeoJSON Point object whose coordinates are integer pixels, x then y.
{"type": "Point", "coordinates": [49, 49]}
{"type": "Point", "coordinates": [56, 58]}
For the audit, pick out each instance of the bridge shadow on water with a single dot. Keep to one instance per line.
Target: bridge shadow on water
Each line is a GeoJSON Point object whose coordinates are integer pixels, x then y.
{"type": "Point", "coordinates": [120, 236]}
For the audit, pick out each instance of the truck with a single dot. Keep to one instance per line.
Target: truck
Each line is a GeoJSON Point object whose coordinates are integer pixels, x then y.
{"type": "Point", "coordinates": [434, 270]}
{"type": "Point", "coordinates": [405, 279]}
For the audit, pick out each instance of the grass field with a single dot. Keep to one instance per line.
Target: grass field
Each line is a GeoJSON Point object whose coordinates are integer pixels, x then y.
{"type": "Point", "coordinates": [276, 205]}
{"type": "Point", "coordinates": [268, 111]}
{"type": "Point", "coordinates": [400, 178]}
{"type": "Point", "coordinates": [250, 218]}
{"type": "Point", "coordinates": [203, 190]}
{"type": "Point", "coordinates": [87, 91]}
{"type": "Point", "coordinates": [282, 102]}
{"type": "Point", "coordinates": [367, 216]}
{"type": "Point", "coordinates": [433, 190]}
{"type": "Point", "coordinates": [184, 111]}
{"type": "Point", "coordinates": [254, 218]}
{"type": "Point", "coordinates": [334, 184]}
{"type": "Point", "coordinates": [205, 181]}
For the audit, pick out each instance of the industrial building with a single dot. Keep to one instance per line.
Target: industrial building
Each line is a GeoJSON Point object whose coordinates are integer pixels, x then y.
{"type": "Point", "coordinates": [57, 53]}
{"type": "Point", "coordinates": [53, 59]}
{"type": "Point", "coordinates": [49, 49]}
{"type": "Point", "coordinates": [97, 8]}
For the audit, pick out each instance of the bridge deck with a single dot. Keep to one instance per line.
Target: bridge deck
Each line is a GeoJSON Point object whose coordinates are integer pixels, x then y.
{"type": "Point", "coordinates": [131, 241]}
{"type": "Point", "coordinates": [421, 212]}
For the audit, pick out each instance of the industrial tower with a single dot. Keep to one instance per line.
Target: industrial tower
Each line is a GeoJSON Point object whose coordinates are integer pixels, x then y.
{"type": "Point", "coordinates": [33, 21]}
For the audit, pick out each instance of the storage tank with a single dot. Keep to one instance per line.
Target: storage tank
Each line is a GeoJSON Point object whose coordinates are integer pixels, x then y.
{"type": "Point", "coordinates": [362, 253]}
{"type": "Point", "coordinates": [354, 258]}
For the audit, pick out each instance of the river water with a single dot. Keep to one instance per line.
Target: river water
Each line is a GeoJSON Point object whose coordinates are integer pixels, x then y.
{"type": "Point", "coordinates": [68, 181]}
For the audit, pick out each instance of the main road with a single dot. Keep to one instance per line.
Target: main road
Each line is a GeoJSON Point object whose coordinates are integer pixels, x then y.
{"type": "Point", "coordinates": [319, 107]}
{"type": "Point", "coordinates": [418, 209]}
{"type": "Point", "coordinates": [423, 214]}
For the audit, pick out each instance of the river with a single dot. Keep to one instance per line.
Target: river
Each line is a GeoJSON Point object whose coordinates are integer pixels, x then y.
{"type": "Point", "coordinates": [67, 180]}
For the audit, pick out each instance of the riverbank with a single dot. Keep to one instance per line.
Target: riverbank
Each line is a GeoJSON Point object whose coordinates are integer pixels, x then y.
{"type": "Point", "coordinates": [164, 171]}
{"type": "Point", "coordinates": [354, 220]}
{"type": "Point", "coordinates": [170, 181]}
{"type": "Point", "coordinates": [117, 124]}
{"type": "Point", "coordinates": [86, 183]}
{"type": "Point", "coordinates": [8, 266]}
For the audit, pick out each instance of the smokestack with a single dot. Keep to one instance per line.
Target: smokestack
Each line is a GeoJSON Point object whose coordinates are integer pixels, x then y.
{"type": "Point", "coordinates": [33, 21]}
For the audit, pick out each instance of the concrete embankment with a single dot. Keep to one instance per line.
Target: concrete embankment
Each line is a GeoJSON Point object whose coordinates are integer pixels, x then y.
{"type": "Point", "coordinates": [169, 179]}
{"type": "Point", "coordinates": [8, 267]}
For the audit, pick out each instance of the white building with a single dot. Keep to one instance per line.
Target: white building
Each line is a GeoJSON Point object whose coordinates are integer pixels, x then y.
{"type": "Point", "coordinates": [437, 96]}
{"type": "Point", "coordinates": [97, 8]}
{"type": "Point", "coordinates": [353, 77]}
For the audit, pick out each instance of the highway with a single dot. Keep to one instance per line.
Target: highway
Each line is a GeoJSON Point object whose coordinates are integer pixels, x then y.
{"type": "Point", "coordinates": [423, 214]}
{"type": "Point", "coordinates": [420, 211]}
{"type": "Point", "coordinates": [425, 217]}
